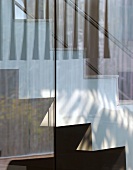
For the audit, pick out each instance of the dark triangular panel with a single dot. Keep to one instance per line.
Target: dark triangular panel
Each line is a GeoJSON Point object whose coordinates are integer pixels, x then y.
{"type": "Point", "coordinates": [109, 159]}
{"type": "Point", "coordinates": [68, 138]}
{"type": "Point", "coordinates": [35, 164]}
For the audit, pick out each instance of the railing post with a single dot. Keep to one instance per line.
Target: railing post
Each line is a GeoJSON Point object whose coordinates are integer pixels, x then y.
{"type": "Point", "coordinates": [47, 10]}
{"type": "Point", "coordinates": [65, 23]}
{"type": "Point", "coordinates": [36, 9]}
{"type": "Point", "coordinates": [75, 30]}
{"type": "Point", "coordinates": [91, 34]}
{"type": "Point", "coordinates": [106, 40]}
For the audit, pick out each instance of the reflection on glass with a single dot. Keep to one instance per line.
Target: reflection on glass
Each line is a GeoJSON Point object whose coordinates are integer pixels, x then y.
{"type": "Point", "coordinates": [94, 70]}
{"type": "Point", "coordinates": [29, 9]}
{"type": "Point", "coordinates": [26, 80]}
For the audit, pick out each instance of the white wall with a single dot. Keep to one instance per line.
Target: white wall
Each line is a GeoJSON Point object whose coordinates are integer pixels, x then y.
{"type": "Point", "coordinates": [94, 100]}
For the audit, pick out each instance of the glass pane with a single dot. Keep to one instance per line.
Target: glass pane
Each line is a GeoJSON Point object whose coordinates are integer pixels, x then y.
{"type": "Point", "coordinates": [30, 9]}
{"type": "Point", "coordinates": [27, 81]}
{"type": "Point", "coordinates": [92, 51]}
{"type": "Point", "coordinates": [94, 77]}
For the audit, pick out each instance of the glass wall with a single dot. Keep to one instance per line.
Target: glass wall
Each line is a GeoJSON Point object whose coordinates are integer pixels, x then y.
{"type": "Point", "coordinates": [89, 61]}
{"type": "Point", "coordinates": [94, 70]}
{"type": "Point", "coordinates": [27, 79]}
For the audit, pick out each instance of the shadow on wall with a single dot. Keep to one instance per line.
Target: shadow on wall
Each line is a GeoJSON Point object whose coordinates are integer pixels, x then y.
{"type": "Point", "coordinates": [111, 126]}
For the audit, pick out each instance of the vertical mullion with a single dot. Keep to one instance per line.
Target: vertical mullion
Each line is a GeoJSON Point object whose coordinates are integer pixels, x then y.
{"type": "Point", "coordinates": [55, 45]}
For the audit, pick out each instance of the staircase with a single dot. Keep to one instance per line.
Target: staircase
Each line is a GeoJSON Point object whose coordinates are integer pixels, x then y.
{"type": "Point", "coordinates": [40, 64]}
{"type": "Point", "coordinates": [68, 157]}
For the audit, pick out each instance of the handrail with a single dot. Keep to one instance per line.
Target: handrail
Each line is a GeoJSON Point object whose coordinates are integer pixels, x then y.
{"type": "Point", "coordinates": [93, 68]}
{"type": "Point", "coordinates": [24, 10]}
{"type": "Point", "coordinates": [122, 93]}
{"type": "Point", "coordinates": [100, 28]}
{"type": "Point", "coordinates": [60, 40]}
